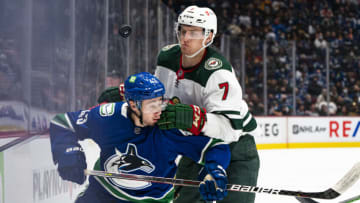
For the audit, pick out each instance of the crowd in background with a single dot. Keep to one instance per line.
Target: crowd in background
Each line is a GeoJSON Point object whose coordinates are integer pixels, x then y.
{"type": "Point", "coordinates": [37, 53]}
{"type": "Point", "coordinates": [10, 77]}
{"type": "Point", "coordinates": [314, 26]}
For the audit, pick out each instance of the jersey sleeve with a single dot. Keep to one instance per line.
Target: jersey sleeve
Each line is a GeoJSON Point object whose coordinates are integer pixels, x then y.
{"type": "Point", "coordinates": [65, 131]}
{"type": "Point", "coordinates": [228, 115]}
{"type": "Point", "coordinates": [68, 128]}
{"type": "Point", "coordinates": [201, 149]}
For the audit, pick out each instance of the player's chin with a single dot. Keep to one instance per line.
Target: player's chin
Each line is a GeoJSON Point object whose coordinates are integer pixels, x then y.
{"type": "Point", "coordinates": [153, 122]}
{"type": "Point", "coordinates": [185, 50]}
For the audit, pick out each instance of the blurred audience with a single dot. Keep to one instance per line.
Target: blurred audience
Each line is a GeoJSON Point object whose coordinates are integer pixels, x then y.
{"type": "Point", "coordinates": [314, 25]}
{"type": "Point", "coordinates": [114, 78]}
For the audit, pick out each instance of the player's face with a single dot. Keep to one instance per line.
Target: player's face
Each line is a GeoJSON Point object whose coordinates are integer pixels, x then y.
{"type": "Point", "coordinates": [191, 39]}
{"type": "Point", "coordinates": [151, 110]}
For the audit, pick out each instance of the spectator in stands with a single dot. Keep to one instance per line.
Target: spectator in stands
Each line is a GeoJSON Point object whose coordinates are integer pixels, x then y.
{"type": "Point", "coordinates": [320, 42]}
{"type": "Point", "coordinates": [113, 79]}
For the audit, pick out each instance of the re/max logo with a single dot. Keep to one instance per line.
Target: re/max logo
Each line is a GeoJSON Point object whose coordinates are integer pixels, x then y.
{"type": "Point", "coordinates": [335, 126]}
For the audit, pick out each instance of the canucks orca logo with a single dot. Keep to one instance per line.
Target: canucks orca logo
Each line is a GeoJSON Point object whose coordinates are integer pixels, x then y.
{"type": "Point", "coordinates": [128, 162]}
{"type": "Point", "coordinates": [131, 161]}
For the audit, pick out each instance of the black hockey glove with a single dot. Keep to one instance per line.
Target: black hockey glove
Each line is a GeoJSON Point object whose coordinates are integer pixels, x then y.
{"type": "Point", "coordinates": [184, 117]}
{"type": "Point", "coordinates": [71, 165]}
{"type": "Point", "coordinates": [112, 94]}
{"type": "Point", "coordinates": [214, 180]}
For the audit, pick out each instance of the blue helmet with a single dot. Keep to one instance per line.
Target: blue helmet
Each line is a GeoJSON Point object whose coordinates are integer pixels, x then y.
{"type": "Point", "coordinates": [142, 86]}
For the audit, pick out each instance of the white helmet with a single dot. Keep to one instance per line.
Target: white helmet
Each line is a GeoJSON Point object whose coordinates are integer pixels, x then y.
{"type": "Point", "coordinates": [200, 17]}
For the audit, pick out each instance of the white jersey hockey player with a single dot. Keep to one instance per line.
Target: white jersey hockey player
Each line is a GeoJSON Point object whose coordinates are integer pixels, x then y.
{"type": "Point", "coordinates": [197, 74]}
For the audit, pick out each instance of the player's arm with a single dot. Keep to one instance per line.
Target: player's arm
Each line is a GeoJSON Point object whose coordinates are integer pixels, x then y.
{"type": "Point", "coordinates": [213, 174]}
{"type": "Point", "coordinates": [214, 154]}
{"type": "Point", "coordinates": [65, 132]}
{"type": "Point", "coordinates": [228, 114]}
{"type": "Point", "coordinates": [214, 181]}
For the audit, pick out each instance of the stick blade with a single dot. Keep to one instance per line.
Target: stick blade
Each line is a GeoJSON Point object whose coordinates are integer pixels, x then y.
{"type": "Point", "coordinates": [327, 194]}
{"type": "Point", "coordinates": [306, 200]}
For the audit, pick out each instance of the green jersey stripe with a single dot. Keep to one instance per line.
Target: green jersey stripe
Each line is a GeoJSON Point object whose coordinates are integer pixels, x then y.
{"type": "Point", "coordinates": [247, 119]}
{"type": "Point", "coordinates": [63, 121]}
{"type": "Point", "coordinates": [251, 125]}
{"type": "Point", "coordinates": [212, 142]}
{"type": "Point", "coordinates": [247, 124]}
{"type": "Point", "coordinates": [202, 157]}
{"type": "Point", "coordinates": [227, 112]}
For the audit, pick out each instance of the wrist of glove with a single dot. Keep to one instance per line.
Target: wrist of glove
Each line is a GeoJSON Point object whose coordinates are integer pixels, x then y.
{"type": "Point", "coordinates": [184, 117]}
{"type": "Point", "coordinates": [71, 165]}
{"type": "Point", "coordinates": [214, 180]}
{"type": "Point", "coordinates": [112, 94]}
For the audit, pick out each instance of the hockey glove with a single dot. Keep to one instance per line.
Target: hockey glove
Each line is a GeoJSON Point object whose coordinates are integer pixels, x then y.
{"type": "Point", "coordinates": [71, 165]}
{"type": "Point", "coordinates": [112, 94]}
{"type": "Point", "coordinates": [214, 180]}
{"type": "Point", "coordinates": [184, 117]}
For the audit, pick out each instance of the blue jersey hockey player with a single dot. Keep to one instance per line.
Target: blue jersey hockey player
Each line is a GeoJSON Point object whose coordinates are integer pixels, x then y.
{"type": "Point", "coordinates": [130, 142]}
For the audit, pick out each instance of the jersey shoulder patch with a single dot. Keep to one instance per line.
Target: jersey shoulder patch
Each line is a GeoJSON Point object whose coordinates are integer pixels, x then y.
{"type": "Point", "coordinates": [107, 109]}
{"type": "Point", "coordinates": [213, 63]}
{"type": "Point", "coordinates": [216, 61]}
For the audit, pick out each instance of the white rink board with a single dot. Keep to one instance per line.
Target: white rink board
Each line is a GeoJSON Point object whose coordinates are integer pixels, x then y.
{"type": "Point", "coordinates": [294, 132]}
{"type": "Point", "coordinates": [273, 130]}
{"type": "Point", "coordinates": [30, 175]}
{"type": "Point", "coordinates": [326, 129]}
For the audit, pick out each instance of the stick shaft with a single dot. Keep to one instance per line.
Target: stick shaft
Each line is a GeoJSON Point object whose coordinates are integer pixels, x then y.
{"type": "Point", "coordinates": [328, 194]}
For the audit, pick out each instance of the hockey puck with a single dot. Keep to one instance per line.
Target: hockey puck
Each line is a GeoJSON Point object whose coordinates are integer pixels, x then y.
{"type": "Point", "coordinates": [125, 31]}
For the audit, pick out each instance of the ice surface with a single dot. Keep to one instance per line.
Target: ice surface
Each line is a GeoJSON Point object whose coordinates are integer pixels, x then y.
{"type": "Point", "coordinates": [308, 170]}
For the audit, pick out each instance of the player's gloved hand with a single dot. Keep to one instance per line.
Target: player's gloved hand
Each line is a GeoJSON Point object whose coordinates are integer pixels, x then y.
{"type": "Point", "coordinates": [112, 94]}
{"type": "Point", "coordinates": [214, 180]}
{"type": "Point", "coordinates": [184, 117]}
{"type": "Point", "coordinates": [71, 165]}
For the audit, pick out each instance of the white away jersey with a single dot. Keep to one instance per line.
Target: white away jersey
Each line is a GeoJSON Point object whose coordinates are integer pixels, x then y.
{"type": "Point", "coordinates": [211, 84]}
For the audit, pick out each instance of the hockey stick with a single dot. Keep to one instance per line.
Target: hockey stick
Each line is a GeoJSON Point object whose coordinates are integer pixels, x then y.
{"type": "Point", "coordinates": [347, 181]}
{"type": "Point", "coordinates": [309, 200]}
{"type": "Point", "coordinates": [352, 199]}
{"type": "Point", "coordinates": [306, 200]}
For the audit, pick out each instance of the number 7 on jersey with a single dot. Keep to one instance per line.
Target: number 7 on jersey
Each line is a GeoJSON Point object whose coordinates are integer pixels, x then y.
{"type": "Point", "coordinates": [225, 86]}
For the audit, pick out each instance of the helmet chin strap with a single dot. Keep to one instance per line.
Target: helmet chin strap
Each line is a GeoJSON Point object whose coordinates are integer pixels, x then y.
{"type": "Point", "coordinates": [138, 106]}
